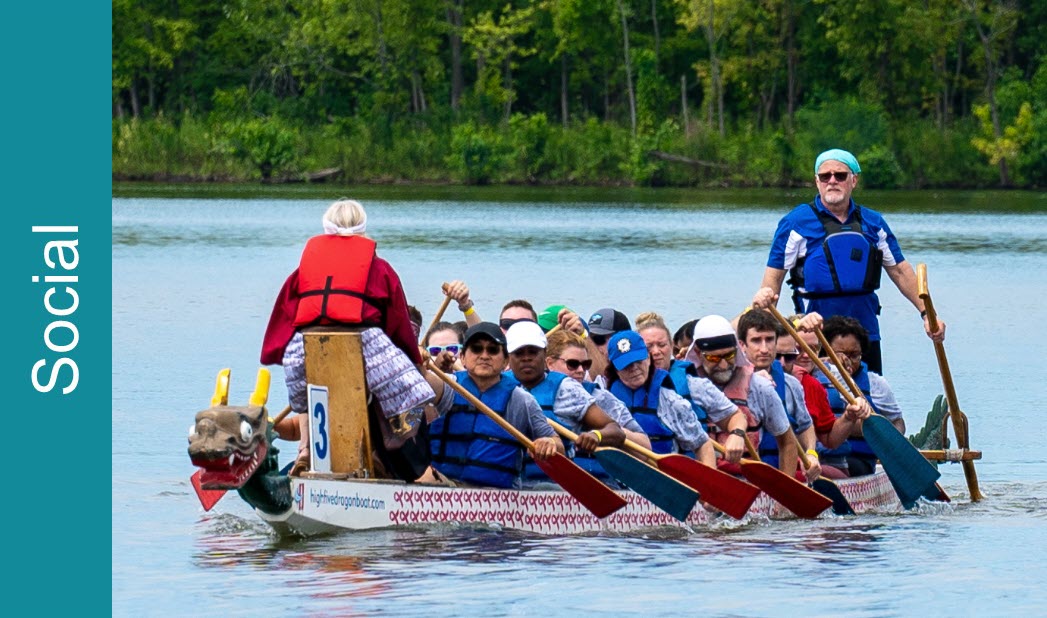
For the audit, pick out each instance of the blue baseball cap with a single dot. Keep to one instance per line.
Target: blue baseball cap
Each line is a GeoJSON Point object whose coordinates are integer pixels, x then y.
{"type": "Point", "coordinates": [838, 155]}
{"type": "Point", "coordinates": [625, 348]}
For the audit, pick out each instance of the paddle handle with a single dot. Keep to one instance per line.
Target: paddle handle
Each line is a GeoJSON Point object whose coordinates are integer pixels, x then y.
{"type": "Point", "coordinates": [553, 330]}
{"type": "Point", "coordinates": [504, 424]}
{"type": "Point", "coordinates": [282, 415]}
{"type": "Point", "coordinates": [839, 364]}
{"type": "Point", "coordinates": [787, 325]}
{"type": "Point", "coordinates": [439, 313]}
{"type": "Point", "coordinates": [563, 431]}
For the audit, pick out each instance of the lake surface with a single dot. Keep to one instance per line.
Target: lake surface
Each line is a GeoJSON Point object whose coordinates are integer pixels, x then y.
{"type": "Point", "coordinates": [194, 279]}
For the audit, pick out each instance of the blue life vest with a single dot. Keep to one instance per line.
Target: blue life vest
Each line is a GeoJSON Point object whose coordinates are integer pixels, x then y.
{"type": "Point", "coordinates": [590, 387]}
{"type": "Point", "coordinates": [545, 392]}
{"type": "Point", "coordinates": [768, 445]}
{"type": "Point", "coordinates": [856, 447]}
{"type": "Point", "coordinates": [643, 403]}
{"type": "Point", "coordinates": [678, 371]}
{"type": "Point", "coordinates": [846, 263]}
{"type": "Point", "coordinates": [468, 446]}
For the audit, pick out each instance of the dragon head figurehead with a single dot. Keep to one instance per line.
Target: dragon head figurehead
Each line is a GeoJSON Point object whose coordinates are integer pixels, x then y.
{"type": "Point", "coordinates": [228, 443]}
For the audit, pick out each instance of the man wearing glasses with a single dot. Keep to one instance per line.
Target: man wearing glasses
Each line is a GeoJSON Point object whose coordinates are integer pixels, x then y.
{"type": "Point", "coordinates": [835, 251]}
{"type": "Point", "coordinates": [468, 446]}
{"type": "Point", "coordinates": [758, 334]}
{"type": "Point", "coordinates": [715, 354]}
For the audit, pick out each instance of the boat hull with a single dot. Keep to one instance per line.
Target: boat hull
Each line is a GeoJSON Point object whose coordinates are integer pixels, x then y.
{"type": "Point", "coordinates": [324, 506]}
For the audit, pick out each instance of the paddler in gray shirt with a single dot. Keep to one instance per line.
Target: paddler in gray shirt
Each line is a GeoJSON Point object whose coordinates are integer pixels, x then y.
{"type": "Point", "coordinates": [465, 447]}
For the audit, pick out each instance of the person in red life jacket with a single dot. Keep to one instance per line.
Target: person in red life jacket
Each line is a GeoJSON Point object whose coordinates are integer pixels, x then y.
{"type": "Point", "coordinates": [835, 252]}
{"type": "Point", "coordinates": [758, 334]}
{"type": "Point", "coordinates": [831, 431]}
{"type": "Point", "coordinates": [339, 280]}
{"type": "Point", "coordinates": [715, 354]}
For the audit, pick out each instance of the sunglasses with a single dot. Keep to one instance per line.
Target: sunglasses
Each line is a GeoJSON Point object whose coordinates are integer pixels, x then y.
{"type": "Point", "coordinates": [573, 363]}
{"type": "Point", "coordinates": [492, 349]}
{"type": "Point", "coordinates": [854, 356]}
{"type": "Point", "coordinates": [788, 356]}
{"type": "Point", "coordinates": [599, 339]}
{"type": "Point", "coordinates": [505, 323]}
{"type": "Point", "coordinates": [716, 358]}
{"type": "Point", "coordinates": [453, 348]}
{"type": "Point", "coordinates": [839, 176]}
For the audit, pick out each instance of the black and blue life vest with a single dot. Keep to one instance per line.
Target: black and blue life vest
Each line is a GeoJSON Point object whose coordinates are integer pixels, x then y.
{"type": "Point", "coordinates": [643, 403]}
{"type": "Point", "coordinates": [855, 447]}
{"type": "Point", "coordinates": [470, 447]}
{"type": "Point", "coordinates": [846, 263]}
{"type": "Point", "coordinates": [678, 371]}
{"type": "Point", "coordinates": [768, 445]}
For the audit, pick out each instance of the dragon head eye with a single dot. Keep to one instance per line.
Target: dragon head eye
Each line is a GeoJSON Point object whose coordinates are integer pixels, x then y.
{"type": "Point", "coordinates": [245, 431]}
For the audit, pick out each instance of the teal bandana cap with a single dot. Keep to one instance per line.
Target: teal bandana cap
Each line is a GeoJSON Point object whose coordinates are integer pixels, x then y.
{"type": "Point", "coordinates": [838, 155]}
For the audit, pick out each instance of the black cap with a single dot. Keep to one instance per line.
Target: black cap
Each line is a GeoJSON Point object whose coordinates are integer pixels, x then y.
{"type": "Point", "coordinates": [486, 329]}
{"type": "Point", "coordinates": [608, 321]}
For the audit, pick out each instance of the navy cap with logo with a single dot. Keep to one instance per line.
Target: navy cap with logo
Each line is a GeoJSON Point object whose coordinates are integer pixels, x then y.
{"type": "Point", "coordinates": [485, 329]}
{"type": "Point", "coordinates": [608, 321]}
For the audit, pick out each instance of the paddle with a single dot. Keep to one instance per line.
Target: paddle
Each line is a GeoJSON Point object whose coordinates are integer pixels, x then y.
{"type": "Point", "coordinates": [790, 493]}
{"type": "Point", "coordinates": [959, 419]}
{"type": "Point", "coordinates": [717, 488]}
{"type": "Point", "coordinates": [662, 490]}
{"type": "Point", "coordinates": [594, 495]}
{"type": "Point", "coordinates": [910, 474]}
{"type": "Point", "coordinates": [439, 314]}
{"type": "Point", "coordinates": [825, 486]}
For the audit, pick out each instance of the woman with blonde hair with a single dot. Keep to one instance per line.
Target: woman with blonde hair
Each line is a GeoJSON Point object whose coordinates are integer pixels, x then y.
{"type": "Point", "coordinates": [341, 281]}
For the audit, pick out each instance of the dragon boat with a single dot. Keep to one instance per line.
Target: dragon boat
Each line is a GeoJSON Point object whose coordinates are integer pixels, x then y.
{"type": "Point", "coordinates": [235, 450]}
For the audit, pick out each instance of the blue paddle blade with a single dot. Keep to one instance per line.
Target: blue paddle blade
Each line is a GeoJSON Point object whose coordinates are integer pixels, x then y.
{"type": "Point", "coordinates": [910, 474]}
{"type": "Point", "coordinates": [662, 490]}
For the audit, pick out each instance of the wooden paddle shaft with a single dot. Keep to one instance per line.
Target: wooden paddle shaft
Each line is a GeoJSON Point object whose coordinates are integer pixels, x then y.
{"type": "Point", "coordinates": [814, 357]}
{"type": "Point", "coordinates": [959, 419]}
{"type": "Point", "coordinates": [553, 330]}
{"type": "Point", "coordinates": [439, 313]}
{"type": "Point", "coordinates": [506, 425]}
{"type": "Point", "coordinates": [282, 415]}
{"type": "Point", "coordinates": [648, 453]}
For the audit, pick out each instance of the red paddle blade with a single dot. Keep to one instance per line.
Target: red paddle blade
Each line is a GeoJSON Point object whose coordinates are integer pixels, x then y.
{"type": "Point", "coordinates": [721, 490]}
{"type": "Point", "coordinates": [208, 497]}
{"type": "Point", "coordinates": [594, 495]}
{"type": "Point", "coordinates": [792, 494]}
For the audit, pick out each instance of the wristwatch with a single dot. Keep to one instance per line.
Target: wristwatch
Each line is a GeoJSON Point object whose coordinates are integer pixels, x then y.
{"type": "Point", "coordinates": [738, 432]}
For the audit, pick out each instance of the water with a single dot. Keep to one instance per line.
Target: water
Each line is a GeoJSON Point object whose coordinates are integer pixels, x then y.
{"type": "Point", "coordinates": [194, 281]}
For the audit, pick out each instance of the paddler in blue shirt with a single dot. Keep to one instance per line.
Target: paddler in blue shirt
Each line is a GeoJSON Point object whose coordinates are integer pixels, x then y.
{"type": "Point", "coordinates": [562, 399]}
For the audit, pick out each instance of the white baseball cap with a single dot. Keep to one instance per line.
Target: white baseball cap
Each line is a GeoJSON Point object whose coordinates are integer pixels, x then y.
{"type": "Point", "coordinates": [523, 334]}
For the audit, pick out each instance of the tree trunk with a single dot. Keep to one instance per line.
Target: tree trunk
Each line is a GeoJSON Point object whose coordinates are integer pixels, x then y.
{"type": "Point", "coordinates": [563, 90]}
{"type": "Point", "coordinates": [654, 21]}
{"type": "Point", "coordinates": [790, 60]}
{"type": "Point", "coordinates": [683, 106]}
{"type": "Point", "coordinates": [628, 67]}
{"type": "Point", "coordinates": [454, 20]}
{"type": "Point", "coordinates": [136, 107]}
{"type": "Point", "coordinates": [714, 71]}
